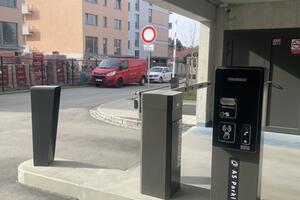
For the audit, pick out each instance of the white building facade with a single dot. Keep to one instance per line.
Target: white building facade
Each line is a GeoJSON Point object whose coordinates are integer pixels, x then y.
{"type": "Point", "coordinates": [140, 14]}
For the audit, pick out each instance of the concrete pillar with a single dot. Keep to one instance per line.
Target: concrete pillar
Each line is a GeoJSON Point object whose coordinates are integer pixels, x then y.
{"type": "Point", "coordinates": [202, 72]}
{"type": "Point", "coordinates": [210, 57]}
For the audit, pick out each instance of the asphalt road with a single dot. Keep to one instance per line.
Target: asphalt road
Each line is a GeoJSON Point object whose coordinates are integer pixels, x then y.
{"type": "Point", "coordinates": [80, 137]}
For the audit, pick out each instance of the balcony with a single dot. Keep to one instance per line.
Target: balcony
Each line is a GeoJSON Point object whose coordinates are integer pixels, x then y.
{"type": "Point", "coordinates": [26, 30]}
{"type": "Point", "coordinates": [26, 49]}
{"type": "Point", "coordinates": [26, 9]}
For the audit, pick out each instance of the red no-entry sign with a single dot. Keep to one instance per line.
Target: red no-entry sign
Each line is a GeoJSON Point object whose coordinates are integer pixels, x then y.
{"type": "Point", "coordinates": [149, 34]}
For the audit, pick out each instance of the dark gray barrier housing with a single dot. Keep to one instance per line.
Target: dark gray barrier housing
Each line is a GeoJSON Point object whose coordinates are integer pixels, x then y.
{"type": "Point", "coordinates": [44, 108]}
{"type": "Point", "coordinates": [174, 82]}
{"type": "Point", "coordinates": [161, 143]}
{"type": "Point", "coordinates": [239, 117]}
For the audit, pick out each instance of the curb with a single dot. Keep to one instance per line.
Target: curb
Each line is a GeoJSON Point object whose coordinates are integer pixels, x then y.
{"type": "Point", "coordinates": [126, 123]}
{"type": "Point", "coordinates": [117, 121]}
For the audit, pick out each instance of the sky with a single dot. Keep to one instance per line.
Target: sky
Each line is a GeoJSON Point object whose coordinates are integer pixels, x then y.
{"type": "Point", "coordinates": [185, 28]}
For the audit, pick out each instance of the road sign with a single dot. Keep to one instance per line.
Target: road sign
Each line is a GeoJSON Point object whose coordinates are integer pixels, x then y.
{"type": "Point", "coordinates": [148, 47]}
{"type": "Point", "coordinates": [149, 34]}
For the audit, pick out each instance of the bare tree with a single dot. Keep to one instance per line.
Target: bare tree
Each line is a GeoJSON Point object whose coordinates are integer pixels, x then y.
{"type": "Point", "coordinates": [191, 39]}
{"type": "Point", "coordinates": [192, 61]}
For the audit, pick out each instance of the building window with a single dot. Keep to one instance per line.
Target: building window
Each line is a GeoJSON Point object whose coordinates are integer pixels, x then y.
{"type": "Point", "coordinates": [117, 24]}
{"type": "Point", "coordinates": [118, 4]}
{"type": "Point", "coordinates": [8, 3]}
{"type": "Point", "coordinates": [129, 26]}
{"type": "Point", "coordinates": [137, 53]}
{"type": "Point", "coordinates": [137, 5]}
{"type": "Point", "coordinates": [150, 15]}
{"type": "Point", "coordinates": [137, 21]}
{"type": "Point", "coordinates": [91, 45]}
{"type": "Point", "coordinates": [137, 39]}
{"type": "Point", "coordinates": [8, 34]}
{"type": "Point", "coordinates": [117, 45]}
{"type": "Point", "coordinates": [104, 2]}
{"type": "Point", "coordinates": [91, 19]}
{"type": "Point", "coordinates": [104, 22]}
{"type": "Point", "coordinates": [129, 44]}
{"type": "Point", "coordinates": [91, 1]}
{"type": "Point", "coordinates": [105, 41]}
{"type": "Point", "coordinates": [128, 6]}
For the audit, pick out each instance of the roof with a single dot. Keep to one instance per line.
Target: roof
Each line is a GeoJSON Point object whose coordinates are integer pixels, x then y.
{"type": "Point", "coordinates": [184, 52]}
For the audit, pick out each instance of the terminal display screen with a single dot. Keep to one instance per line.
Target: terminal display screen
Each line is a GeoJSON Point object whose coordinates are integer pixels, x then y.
{"type": "Point", "coordinates": [238, 108]}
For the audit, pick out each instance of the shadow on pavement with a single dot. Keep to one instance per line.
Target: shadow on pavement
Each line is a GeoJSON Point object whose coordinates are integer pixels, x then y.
{"type": "Point", "coordinates": [194, 193]}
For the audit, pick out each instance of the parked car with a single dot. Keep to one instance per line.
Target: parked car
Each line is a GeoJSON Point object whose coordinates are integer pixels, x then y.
{"type": "Point", "coordinates": [160, 74]}
{"type": "Point", "coordinates": [120, 71]}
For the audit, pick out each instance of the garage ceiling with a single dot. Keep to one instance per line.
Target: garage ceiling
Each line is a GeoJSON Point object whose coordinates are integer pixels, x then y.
{"type": "Point", "coordinates": [200, 10]}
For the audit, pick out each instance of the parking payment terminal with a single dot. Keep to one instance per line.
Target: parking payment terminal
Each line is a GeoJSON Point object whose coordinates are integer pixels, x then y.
{"type": "Point", "coordinates": [237, 133]}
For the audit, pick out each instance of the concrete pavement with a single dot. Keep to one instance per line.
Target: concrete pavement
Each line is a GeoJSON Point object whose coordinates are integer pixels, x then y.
{"type": "Point", "coordinates": [280, 175]}
{"type": "Point", "coordinates": [93, 144]}
{"type": "Point", "coordinates": [80, 137]}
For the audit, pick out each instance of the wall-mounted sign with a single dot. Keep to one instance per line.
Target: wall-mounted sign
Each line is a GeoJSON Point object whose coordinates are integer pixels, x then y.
{"type": "Point", "coordinates": [295, 46]}
{"type": "Point", "coordinates": [276, 41]}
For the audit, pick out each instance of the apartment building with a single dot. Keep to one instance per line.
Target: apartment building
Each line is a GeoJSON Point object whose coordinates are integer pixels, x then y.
{"type": "Point", "coordinates": [140, 14]}
{"type": "Point", "coordinates": [11, 22]}
{"type": "Point", "coordinates": [78, 29]}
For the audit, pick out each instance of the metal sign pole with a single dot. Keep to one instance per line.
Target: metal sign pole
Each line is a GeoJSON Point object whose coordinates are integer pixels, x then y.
{"type": "Point", "coordinates": [175, 48]}
{"type": "Point", "coordinates": [149, 62]}
{"type": "Point", "coordinates": [149, 34]}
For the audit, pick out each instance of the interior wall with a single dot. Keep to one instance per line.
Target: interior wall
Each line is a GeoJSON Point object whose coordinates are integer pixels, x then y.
{"type": "Point", "coordinates": [271, 15]}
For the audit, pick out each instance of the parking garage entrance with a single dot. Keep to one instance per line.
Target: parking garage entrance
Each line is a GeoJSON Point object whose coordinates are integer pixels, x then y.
{"type": "Point", "coordinates": [279, 51]}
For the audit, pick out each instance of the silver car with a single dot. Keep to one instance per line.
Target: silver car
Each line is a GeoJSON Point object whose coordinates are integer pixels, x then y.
{"type": "Point", "coordinates": [160, 74]}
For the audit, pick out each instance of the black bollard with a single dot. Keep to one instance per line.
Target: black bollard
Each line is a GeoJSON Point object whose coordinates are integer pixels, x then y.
{"type": "Point", "coordinates": [44, 109]}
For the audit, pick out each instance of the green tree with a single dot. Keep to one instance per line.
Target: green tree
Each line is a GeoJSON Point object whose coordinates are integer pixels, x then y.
{"type": "Point", "coordinates": [179, 45]}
